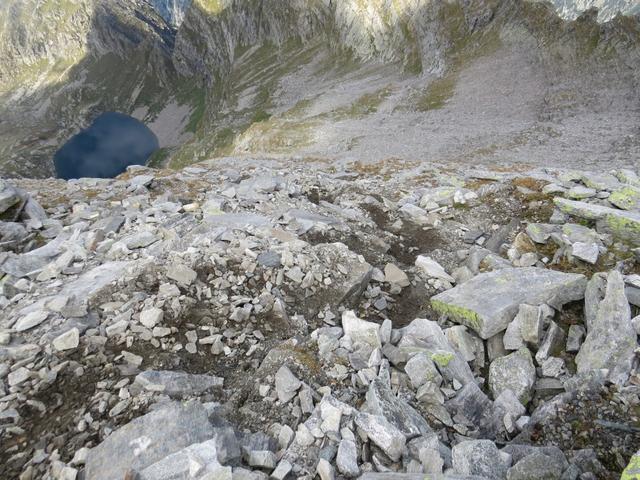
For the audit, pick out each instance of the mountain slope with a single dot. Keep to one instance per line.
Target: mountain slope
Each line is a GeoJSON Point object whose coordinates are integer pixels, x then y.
{"type": "Point", "coordinates": [480, 80]}
{"type": "Point", "coordinates": [607, 9]}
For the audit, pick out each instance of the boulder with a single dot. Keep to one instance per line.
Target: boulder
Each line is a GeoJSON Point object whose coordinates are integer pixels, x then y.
{"type": "Point", "coordinates": [426, 336]}
{"type": "Point", "coordinates": [287, 385]}
{"type": "Point", "coordinates": [382, 402]}
{"type": "Point", "coordinates": [382, 433]}
{"type": "Point", "coordinates": [515, 372]}
{"type": "Point", "coordinates": [611, 339]}
{"type": "Point", "coordinates": [489, 302]}
{"type": "Point", "coordinates": [148, 439]}
{"type": "Point", "coordinates": [478, 457]}
{"type": "Point", "coordinates": [9, 196]}
{"type": "Point", "coordinates": [433, 269]}
{"type": "Point", "coordinates": [360, 334]}
{"type": "Point", "coordinates": [536, 466]}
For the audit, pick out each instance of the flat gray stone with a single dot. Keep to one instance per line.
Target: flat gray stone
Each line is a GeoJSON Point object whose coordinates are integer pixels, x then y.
{"type": "Point", "coordinates": [489, 302]}
{"type": "Point", "coordinates": [176, 384]}
{"type": "Point", "coordinates": [587, 252]}
{"type": "Point", "coordinates": [143, 441]}
{"type": "Point", "coordinates": [92, 283]}
{"type": "Point", "coordinates": [611, 339]}
{"type": "Point", "coordinates": [67, 341]}
{"type": "Point", "coordinates": [30, 320]}
{"type": "Point", "coordinates": [200, 457]}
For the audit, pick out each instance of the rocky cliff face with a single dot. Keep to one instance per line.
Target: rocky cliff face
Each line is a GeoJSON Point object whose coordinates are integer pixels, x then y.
{"type": "Point", "coordinates": [314, 77]}
{"type": "Point", "coordinates": [607, 9]}
{"type": "Point", "coordinates": [173, 11]}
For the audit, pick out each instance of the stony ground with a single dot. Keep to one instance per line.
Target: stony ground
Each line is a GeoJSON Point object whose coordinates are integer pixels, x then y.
{"type": "Point", "coordinates": [287, 320]}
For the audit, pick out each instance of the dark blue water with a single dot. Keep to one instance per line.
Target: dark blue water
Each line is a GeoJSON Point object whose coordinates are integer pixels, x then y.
{"type": "Point", "coordinates": [105, 149]}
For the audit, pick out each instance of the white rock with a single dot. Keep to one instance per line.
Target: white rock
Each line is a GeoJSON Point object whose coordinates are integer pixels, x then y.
{"type": "Point", "coordinates": [68, 340]}
{"type": "Point", "coordinates": [325, 470]}
{"type": "Point", "coordinates": [433, 269]}
{"type": "Point", "coordinates": [181, 274]}
{"type": "Point", "coordinates": [394, 276]}
{"type": "Point", "coordinates": [360, 333]}
{"type": "Point", "coordinates": [286, 384]}
{"type": "Point", "coordinates": [151, 317]}
{"type": "Point", "coordinates": [30, 320]}
{"type": "Point", "coordinates": [587, 252]}
{"type": "Point", "coordinates": [18, 376]}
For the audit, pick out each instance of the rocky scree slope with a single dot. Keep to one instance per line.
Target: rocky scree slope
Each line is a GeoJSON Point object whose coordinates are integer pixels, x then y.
{"type": "Point", "coordinates": [387, 321]}
{"type": "Point", "coordinates": [498, 80]}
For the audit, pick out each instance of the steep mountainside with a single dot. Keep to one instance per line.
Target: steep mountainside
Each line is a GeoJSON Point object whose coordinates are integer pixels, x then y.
{"type": "Point", "coordinates": [607, 9]}
{"type": "Point", "coordinates": [499, 80]}
{"type": "Point", "coordinates": [173, 11]}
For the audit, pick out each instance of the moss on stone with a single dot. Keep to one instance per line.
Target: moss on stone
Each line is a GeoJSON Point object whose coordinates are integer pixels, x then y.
{"type": "Point", "coordinates": [626, 198]}
{"type": "Point", "coordinates": [442, 359]}
{"type": "Point", "coordinates": [632, 472]}
{"type": "Point", "coordinates": [624, 228]}
{"type": "Point", "coordinates": [463, 315]}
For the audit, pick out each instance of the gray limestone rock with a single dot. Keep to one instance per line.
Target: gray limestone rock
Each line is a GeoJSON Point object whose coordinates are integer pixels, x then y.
{"type": "Point", "coordinates": [382, 433]}
{"type": "Point", "coordinates": [427, 336]}
{"type": "Point", "coordinates": [490, 301]}
{"type": "Point", "coordinates": [176, 384]}
{"type": "Point", "coordinates": [515, 372]}
{"type": "Point", "coordinates": [536, 466]}
{"type": "Point", "coordinates": [621, 224]}
{"type": "Point", "coordinates": [287, 385]}
{"type": "Point", "coordinates": [382, 402]}
{"type": "Point", "coordinates": [142, 442]}
{"type": "Point", "coordinates": [478, 457]}
{"type": "Point", "coordinates": [9, 196]}
{"type": "Point", "coordinates": [347, 458]}
{"type": "Point", "coordinates": [611, 339]}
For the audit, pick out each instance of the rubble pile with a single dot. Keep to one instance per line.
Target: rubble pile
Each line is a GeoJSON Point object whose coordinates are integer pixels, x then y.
{"type": "Point", "coordinates": [238, 322]}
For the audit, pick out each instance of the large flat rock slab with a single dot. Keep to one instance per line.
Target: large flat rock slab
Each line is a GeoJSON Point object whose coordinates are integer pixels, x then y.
{"type": "Point", "coordinates": [489, 302]}
{"type": "Point", "coordinates": [148, 439]}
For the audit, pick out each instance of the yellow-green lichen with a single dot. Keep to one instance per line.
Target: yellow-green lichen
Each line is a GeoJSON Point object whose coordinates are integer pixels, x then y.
{"type": "Point", "coordinates": [626, 198]}
{"type": "Point", "coordinates": [442, 359]}
{"type": "Point", "coordinates": [624, 228]}
{"type": "Point", "coordinates": [463, 315]}
{"type": "Point", "coordinates": [632, 472]}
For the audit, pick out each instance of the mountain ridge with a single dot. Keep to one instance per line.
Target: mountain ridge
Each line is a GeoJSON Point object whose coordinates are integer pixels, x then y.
{"type": "Point", "coordinates": [178, 82]}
